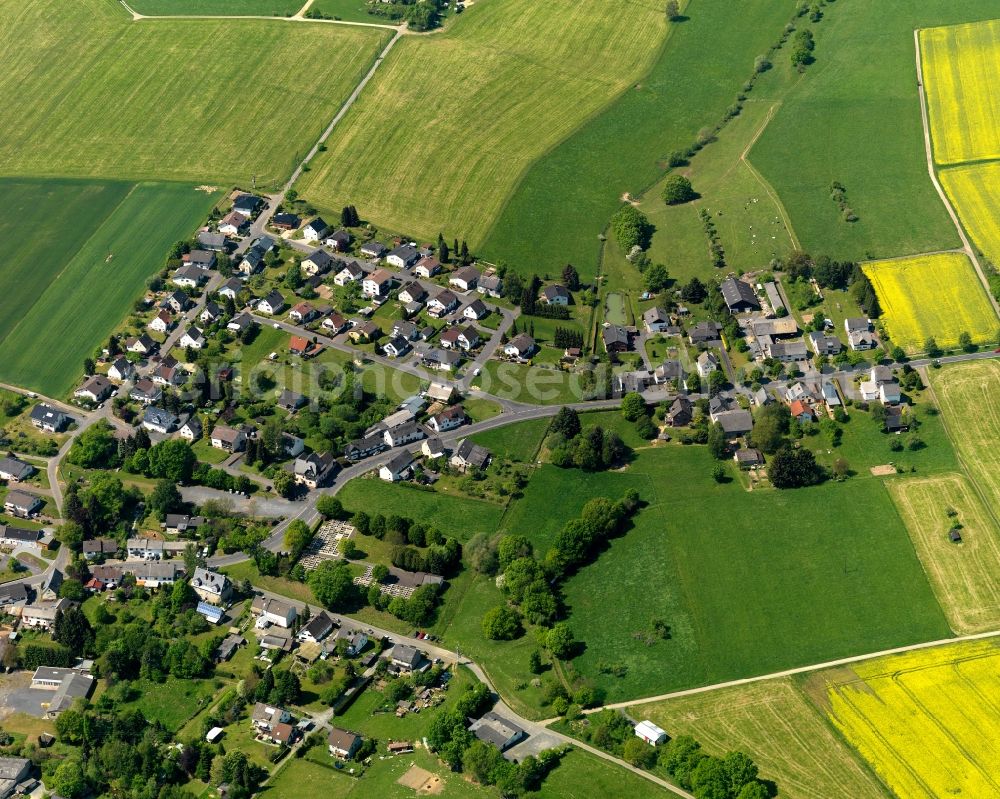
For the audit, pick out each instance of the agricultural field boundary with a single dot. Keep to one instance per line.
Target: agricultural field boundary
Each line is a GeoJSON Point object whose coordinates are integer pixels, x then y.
{"type": "Point", "coordinates": [297, 17]}
{"type": "Point", "coordinates": [932, 171]}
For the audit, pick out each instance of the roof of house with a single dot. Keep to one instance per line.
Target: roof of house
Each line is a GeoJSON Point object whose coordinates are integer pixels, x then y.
{"type": "Point", "coordinates": [380, 276]}
{"type": "Point", "coordinates": [398, 462]}
{"type": "Point", "coordinates": [405, 251]}
{"type": "Point", "coordinates": [318, 626]}
{"type": "Point", "coordinates": [614, 334]}
{"type": "Point", "coordinates": [16, 467]}
{"type": "Point", "coordinates": [738, 292]}
{"type": "Point", "coordinates": [42, 412]}
{"type": "Point", "coordinates": [522, 342]}
{"type": "Point", "coordinates": [342, 740]}
{"type": "Point", "coordinates": [555, 292]}
{"type": "Point", "coordinates": [466, 274]}
{"type": "Point", "coordinates": [472, 453]}
{"type": "Point", "coordinates": [404, 653]}
{"type": "Point", "coordinates": [736, 421]}
{"type": "Point", "coordinates": [445, 297]}
{"type": "Point", "coordinates": [159, 417]}
{"type": "Point", "coordinates": [318, 224]}
{"type": "Point", "coordinates": [275, 299]}
{"type": "Point", "coordinates": [11, 533]}
{"type": "Point", "coordinates": [210, 581]}
{"type": "Point", "coordinates": [654, 315]}
{"type": "Point", "coordinates": [225, 433]}
{"type": "Point", "coordinates": [375, 248]}
{"type": "Point", "coordinates": [98, 385]}
{"type": "Point", "coordinates": [495, 729]}
{"type": "Point", "coordinates": [321, 258]}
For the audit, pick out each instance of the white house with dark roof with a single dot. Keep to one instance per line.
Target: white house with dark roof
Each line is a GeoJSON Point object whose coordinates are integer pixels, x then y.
{"type": "Point", "coordinates": [158, 420]}
{"type": "Point", "coordinates": [465, 279]}
{"type": "Point", "coordinates": [315, 230]}
{"type": "Point", "coordinates": [121, 370]}
{"type": "Point", "coordinates": [14, 470]}
{"type": "Point", "coordinates": [403, 257]}
{"type": "Point", "coordinates": [351, 273]}
{"type": "Point", "coordinates": [47, 418]}
{"type": "Point", "coordinates": [97, 388]}
{"type": "Point", "coordinates": [397, 467]}
{"type": "Point", "coordinates": [273, 303]}
{"type": "Point", "coordinates": [228, 438]}
{"type": "Point", "coordinates": [211, 586]}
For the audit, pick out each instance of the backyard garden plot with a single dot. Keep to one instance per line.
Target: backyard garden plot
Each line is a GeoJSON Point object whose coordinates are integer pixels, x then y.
{"type": "Point", "coordinates": [927, 722]}
{"type": "Point", "coordinates": [968, 395]}
{"type": "Point", "coordinates": [935, 296]}
{"type": "Point", "coordinates": [81, 299]}
{"type": "Point", "coordinates": [783, 733]}
{"type": "Point", "coordinates": [974, 190]}
{"type": "Point", "coordinates": [195, 100]}
{"type": "Point", "coordinates": [459, 115]}
{"type": "Point", "coordinates": [961, 64]}
{"type": "Point", "coordinates": [966, 575]}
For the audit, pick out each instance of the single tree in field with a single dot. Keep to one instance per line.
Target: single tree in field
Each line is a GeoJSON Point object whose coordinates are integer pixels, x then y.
{"type": "Point", "coordinates": [571, 277]}
{"type": "Point", "coordinates": [965, 342]}
{"type": "Point", "coordinates": [677, 189]}
{"type": "Point", "coordinates": [673, 10]}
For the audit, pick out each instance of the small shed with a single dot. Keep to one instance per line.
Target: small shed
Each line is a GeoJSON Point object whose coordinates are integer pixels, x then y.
{"type": "Point", "coordinates": [650, 733]}
{"type": "Point", "coordinates": [214, 734]}
{"type": "Point", "coordinates": [954, 536]}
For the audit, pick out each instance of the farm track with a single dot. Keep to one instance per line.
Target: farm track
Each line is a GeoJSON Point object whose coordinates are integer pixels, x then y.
{"type": "Point", "coordinates": [932, 171]}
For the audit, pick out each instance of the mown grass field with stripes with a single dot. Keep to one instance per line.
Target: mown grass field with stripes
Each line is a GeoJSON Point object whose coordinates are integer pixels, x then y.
{"type": "Point", "coordinates": [960, 65]}
{"type": "Point", "coordinates": [88, 92]}
{"type": "Point", "coordinates": [935, 296]}
{"type": "Point", "coordinates": [75, 298]}
{"type": "Point", "coordinates": [441, 135]}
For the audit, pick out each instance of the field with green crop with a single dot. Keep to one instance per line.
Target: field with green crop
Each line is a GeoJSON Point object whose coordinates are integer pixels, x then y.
{"type": "Point", "coordinates": [279, 8]}
{"type": "Point", "coordinates": [517, 442]}
{"type": "Point", "coordinates": [749, 582]}
{"type": "Point", "coordinates": [566, 197]}
{"type": "Point", "coordinates": [855, 118]}
{"type": "Point", "coordinates": [79, 297]}
{"type": "Point", "coordinates": [459, 115]}
{"type": "Point", "coordinates": [780, 729]}
{"type": "Point", "coordinates": [194, 100]}
{"type": "Point", "coordinates": [453, 514]}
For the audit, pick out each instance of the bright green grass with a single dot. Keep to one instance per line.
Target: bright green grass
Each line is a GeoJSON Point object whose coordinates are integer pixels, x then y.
{"type": "Point", "coordinates": [749, 582]}
{"type": "Point", "coordinates": [216, 7]}
{"type": "Point", "coordinates": [532, 384]}
{"type": "Point", "coordinates": [855, 118]}
{"type": "Point", "coordinates": [351, 10]}
{"type": "Point", "coordinates": [517, 442]}
{"type": "Point", "coordinates": [174, 701]}
{"type": "Point", "coordinates": [455, 515]}
{"type": "Point", "coordinates": [505, 82]}
{"type": "Point", "coordinates": [59, 214]}
{"type": "Point", "coordinates": [85, 297]}
{"type": "Point", "coordinates": [88, 92]}
{"type": "Point", "coordinates": [566, 198]}
{"type": "Point", "coordinates": [479, 410]}
{"type": "Point", "coordinates": [747, 218]}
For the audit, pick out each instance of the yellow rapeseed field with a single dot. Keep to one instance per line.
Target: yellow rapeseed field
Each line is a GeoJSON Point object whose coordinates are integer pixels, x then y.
{"type": "Point", "coordinates": [960, 66]}
{"type": "Point", "coordinates": [935, 296]}
{"type": "Point", "coordinates": [927, 722]}
{"type": "Point", "coordinates": [974, 190]}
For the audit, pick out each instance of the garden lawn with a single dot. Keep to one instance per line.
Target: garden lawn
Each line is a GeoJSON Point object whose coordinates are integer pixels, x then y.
{"type": "Point", "coordinates": [935, 296]}
{"type": "Point", "coordinates": [965, 576]}
{"type": "Point", "coordinates": [553, 64]}
{"type": "Point", "coordinates": [280, 8]}
{"type": "Point", "coordinates": [516, 442]}
{"type": "Point", "coordinates": [974, 190]}
{"type": "Point", "coordinates": [960, 66]}
{"type": "Point", "coordinates": [84, 295]}
{"type": "Point", "coordinates": [175, 86]}
{"type": "Point", "coordinates": [749, 582]}
{"type": "Point", "coordinates": [532, 384]}
{"type": "Point", "coordinates": [779, 728]}
{"type": "Point", "coordinates": [855, 118]}
{"type": "Point", "coordinates": [174, 701]}
{"type": "Point", "coordinates": [455, 515]}
{"type": "Point", "coordinates": [926, 721]}
{"type": "Point", "coordinates": [567, 197]}
{"type": "Point", "coordinates": [968, 395]}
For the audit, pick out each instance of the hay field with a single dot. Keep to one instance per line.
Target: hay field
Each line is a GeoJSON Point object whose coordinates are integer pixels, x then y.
{"type": "Point", "coordinates": [966, 576]}
{"type": "Point", "coordinates": [441, 135]}
{"type": "Point", "coordinates": [928, 722]}
{"type": "Point", "coordinates": [968, 395]}
{"type": "Point", "coordinates": [960, 65]}
{"type": "Point", "coordinates": [82, 298]}
{"type": "Point", "coordinates": [88, 92]}
{"type": "Point", "coordinates": [974, 190]}
{"type": "Point", "coordinates": [932, 295]}
{"type": "Point", "coordinates": [784, 734]}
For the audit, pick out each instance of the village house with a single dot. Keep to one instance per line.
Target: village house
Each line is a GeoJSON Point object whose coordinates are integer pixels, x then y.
{"type": "Point", "coordinates": [801, 412]}
{"type": "Point", "coordinates": [179, 523]}
{"type": "Point", "coordinates": [616, 338]}
{"type": "Point", "coordinates": [554, 295]}
{"type": "Point", "coordinates": [42, 615]}
{"type": "Point", "coordinates": [18, 538]}
{"type": "Point", "coordinates": [319, 262]}
{"type": "Point", "coordinates": [859, 333]}
{"type": "Point", "coordinates": [343, 744]}
{"type": "Point", "coordinates": [396, 347]}
{"type": "Point", "coordinates": [264, 717]}
{"type": "Point", "coordinates": [216, 242]}
{"type": "Point", "coordinates": [47, 418]}
{"type": "Point", "coordinates": [707, 363]}
{"type": "Point", "coordinates": [211, 586]}
{"type": "Point", "coordinates": [188, 277]}
{"type": "Point", "coordinates": [748, 458]}
{"type": "Point", "coordinates": [286, 221]}
{"type": "Point", "coordinates": [340, 240]}
{"type": "Point", "coordinates": [734, 423]}
{"type": "Point", "coordinates": [141, 345]}
{"type": "Point", "coordinates": [158, 420]}
{"type": "Point", "coordinates": [162, 322]}
{"type": "Point", "coordinates": [334, 324]}
{"type": "Point", "coordinates": [253, 261]}
{"type": "Point", "coordinates": [403, 257]}
{"type": "Point", "coordinates": [291, 401]}
{"type": "Point", "coordinates": [232, 224]}
{"type": "Point", "coordinates": [193, 338]}
{"type": "Point", "coordinates": [397, 467]}
{"type": "Point", "coordinates": [314, 469]}
{"type": "Point", "coordinates": [302, 313]}
{"type": "Point", "coordinates": [177, 301]}
{"type": "Point", "coordinates": [521, 346]}
{"type": "Point", "coordinates": [248, 205]}
{"type": "Point", "coordinates": [191, 430]}
{"type": "Point", "coordinates": [470, 456]}
{"type": "Point", "coordinates": [441, 360]}
{"type": "Point", "coordinates": [355, 641]}
{"type": "Point", "coordinates": [823, 344]}
{"type": "Point", "coordinates": [465, 278]}
{"type": "Point", "coordinates": [442, 303]}
{"type": "Point", "coordinates": [669, 371]}
{"type": "Point", "coordinates": [496, 730]}
{"type": "Point", "coordinates": [403, 434]}
{"type": "Point", "coordinates": [406, 330]}
{"type": "Point", "coordinates": [374, 249]}
{"type": "Point", "coordinates": [203, 259]}
{"type": "Point", "coordinates": [405, 657]}
{"type": "Point", "coordinates": [274, 611]}
{"type": "Point", "coordinates": [739, 296]}
{"type": "Point", "coordinates": [96, 389]}
{"type": "Point", "coordinates": [704, 332]}
{"type": "Point", "coordinates": [168, 372]}
{"type": "Point", "coordinates": [14, 470]}
{"type": "Point", "coordinates": [448, 419]}
{"type": "Point", "coordinates": [315, 230]}
{"type": "Point", "coordinates": [240, 323]}
{"type": "Point", "coordinates": [211, 313]}
{"type": "Point", "coordinates": [377, 284]}
{"type": "Point", "coordinates": [786, 351]}
{"type": "Point", "coordinates": [655, 320]}
{"type": "Point", "coordinates": [145, 391]}
{"type": "Point", "coordinates": [228, 439]}
{"type": "Point", "coordinates": [100, 547]}
{"type": "Point", "coordinates": [351, 273]}
{"type": "Point", "coordinates": [318, 628]}
{"type": "Point", "coordinates": [365, 447]}
{"type": "Point", "coordinates": [365, 332]}
{"type": "Point", "coordinates": [231, 288]}
{"type": "Point", "coordinates": [412, 292]}
{"type": "Point", "coordinates": [680, 412]}
{"type": "Point", "coordinates": [475, 310]}
{"type": "Point", "coordinates": [432, 448]}
{"type": "Point", "coordinates": [490, 285]}
{"type": "Point", "coordinates": [427, 267]}
{"type": "Point", "coordinates": [273, 303]}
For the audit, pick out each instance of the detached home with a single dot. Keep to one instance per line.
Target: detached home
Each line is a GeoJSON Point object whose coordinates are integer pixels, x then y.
{"type": "Point", "coordinates": [14, 470]}
{"type": "Point", "coordinates": [273, 303]}
{"type": "Point", "coordinates": [231, 288]}
{"type": "Point", "coordinates": [189, 276]}
{"type": "Point", "coordinates": [232, 224]}
{"type": "Point", "coordinates": [377, 284]}
{"type": "Point", "coordinates": [340, 240]}
{"type": "Point", "coordinates": [248, 204]}
{"type": "Point", "coordinates": [193, 338]}
{"type": "Point", "coordinates": [203, 259]}
{"type": "Point", "coordinates": [448, 419]}
{"type": "Point", "coordinates": [403, 257]}
{"type": "Point", "coordinates": [396, 468]}
{"type": "Point", "coordinates": [274, 611]}
{"type": "Point", "coordinates": [427, 267]}
{"type": "Point", "coordinates": [96, 389]}
{"type": "Point", "coordinates": [521, 346]}
{"type": "Point", "coordinates": [159, 421]}
{"type": "Point", "coordinates": [314, 470]}
{"type": "Point", "coordinates": [22, 504]}
{"type": "Point", "coordinates": [228, 439]}
{"type": "Point", "coordinates": [141, 345]}
{"type": "Point", "coordinates": [464, 279]}
{"type": "Point", "coordinates": [442, 303]}
{"type": "Point", "coordinates": [412, 292]}
{"type": "Point", "coordinates": [319, 262]}
{"type": "Point", "coordinates": [554, 295]}
{"type": "Point", "coordinates": [47, 418]}
{"type": "Point", "coordinates": [351, 273]}
{"type": "Point", "coordinates": [374, 249]}
{"type": "Point", "coordinates": [162, 322]}
{"type": "Point", "coordinates": [211, 586]}
{"type": "Point", "coordinates": [315, 230]}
